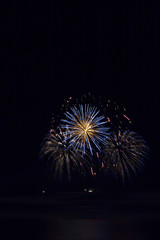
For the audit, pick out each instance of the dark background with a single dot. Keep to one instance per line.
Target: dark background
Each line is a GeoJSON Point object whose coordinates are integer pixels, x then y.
{"type": "Point", "coordinates": [52, 51]}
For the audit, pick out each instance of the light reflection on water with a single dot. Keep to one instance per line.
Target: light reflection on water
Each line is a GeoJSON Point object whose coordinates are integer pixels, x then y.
{"type": "Point", "coordinates": [77, 217]}
{"type": "Point", "coordinates": [87, 229]}
{"type": "Point", "coordinates": [92, 229]}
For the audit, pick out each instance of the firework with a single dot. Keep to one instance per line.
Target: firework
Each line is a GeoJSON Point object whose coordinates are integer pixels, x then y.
{"type": "Point", "coordinates": [98, 126]}
{"type": "Point", "coordinates": [85, 128]}
{"type": "Point", "coordinates": [124, 153]}
{"type": "Point", "coordinates": [60, 156]}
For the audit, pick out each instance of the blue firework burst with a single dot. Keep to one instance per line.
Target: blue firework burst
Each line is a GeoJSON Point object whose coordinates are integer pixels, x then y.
{"type": "Point", "coordinates": [85, 128]}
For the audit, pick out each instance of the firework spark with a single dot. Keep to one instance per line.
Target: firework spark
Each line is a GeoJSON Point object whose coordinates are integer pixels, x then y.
{"type": "Point", "coordinates": [116, 115]}
{"type": "Point", "coordinates": [124, 153]}
{"type": "Point", "coordinates": [85, 128]}
{"type": "Point", "coordinates": [62, 158]}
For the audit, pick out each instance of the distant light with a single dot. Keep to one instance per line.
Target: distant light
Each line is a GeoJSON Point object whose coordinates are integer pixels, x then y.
{"type": "Point", "coordinates": [90, 190]}
{"type": "Point", "coordinates": [43, 191]}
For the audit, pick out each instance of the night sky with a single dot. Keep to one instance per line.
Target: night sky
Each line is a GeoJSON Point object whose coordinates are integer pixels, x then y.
{"type": "Point", "coordinates": [50, 52]}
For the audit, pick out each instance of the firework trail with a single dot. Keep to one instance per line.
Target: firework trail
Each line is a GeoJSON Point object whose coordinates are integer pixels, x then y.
{"type": "Point", "coordinates": [85, 127]}
{"type": "Point", "coordinates": [124, 153]}
{"type": "Point", "coordinates": [61, 157]}
{"type": "Point", "coordinates": [116, 115]}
